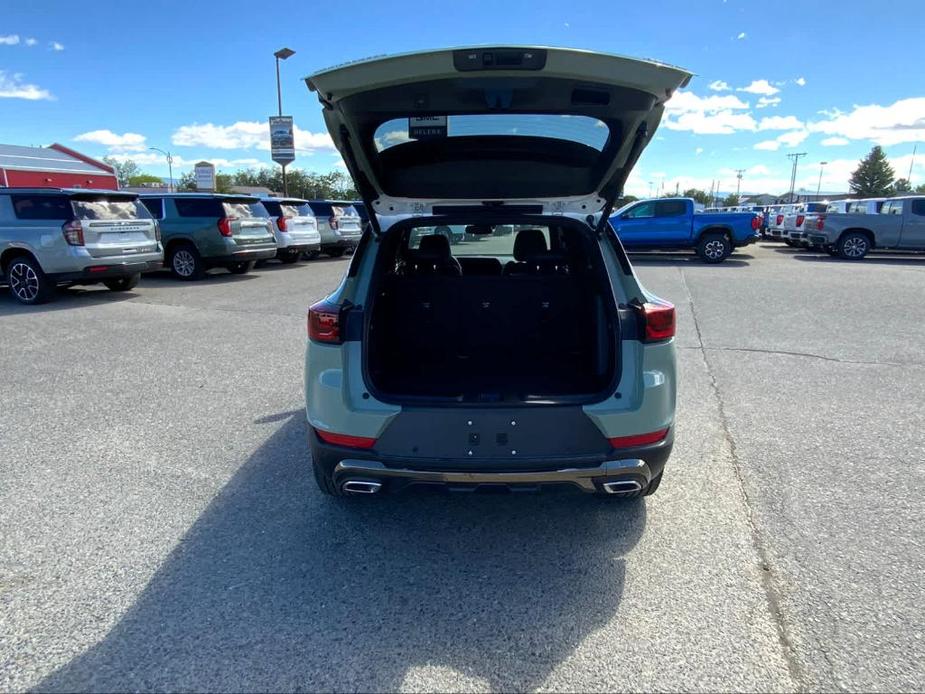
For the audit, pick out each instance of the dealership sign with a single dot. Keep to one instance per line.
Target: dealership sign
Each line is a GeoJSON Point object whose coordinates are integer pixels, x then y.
{"type": "Point", "coordinates": [205, 175]}
{"type": "Point", "coordinates": [282, 139]}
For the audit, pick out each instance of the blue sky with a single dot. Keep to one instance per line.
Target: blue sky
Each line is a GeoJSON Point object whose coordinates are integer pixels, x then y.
{"type": "Point", "coordinates": [828, 78]}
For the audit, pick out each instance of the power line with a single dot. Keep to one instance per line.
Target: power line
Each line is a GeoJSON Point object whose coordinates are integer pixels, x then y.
{"type": "Point", "coordinates": [795, 156]}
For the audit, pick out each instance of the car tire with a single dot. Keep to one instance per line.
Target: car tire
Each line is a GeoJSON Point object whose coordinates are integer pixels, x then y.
{"type": "Point", "coordinates": [242, 268]}
{"type": "Point", "coordinates": [336, 252]}
{"type": "Point", "coordinates": [853, 246]}
{"type": "Point", "coordinates": [290, 258]}
{"type": "Point", "coordinates": [325, 480]}
{"type": "Point", "coordinates": [122, 284]}
{"type": "Point", "coordinates": [28, 283]}
{"type": "Point", "coordinates": [714, 248]}
{"type": "Point", "coordinates": [790, 243]}
{"type": "Point", "coordinates": [185, 263]}
{"type": "Point", "coordinates": [832, 251]}
{"type": "Point", "coordinates": [311, 255]}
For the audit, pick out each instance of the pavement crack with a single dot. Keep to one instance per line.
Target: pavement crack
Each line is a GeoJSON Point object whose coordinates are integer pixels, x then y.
{"type": "Point", "coordinates": [772, 594]}
{"type": "Point", "coordinates": [808, 355]}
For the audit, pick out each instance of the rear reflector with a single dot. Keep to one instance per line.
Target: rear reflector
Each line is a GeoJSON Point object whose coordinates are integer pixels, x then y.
{"type": "Point", "coordinates": [345, 440]}
{"type": "Point", "coordinates": [636, 439]}
{"type": "Point", "coordinates": [658, 318]}
{"type": "Point", "coordinates": [324, 322]}
{"type": "Point", "coordinates": [98, 268]}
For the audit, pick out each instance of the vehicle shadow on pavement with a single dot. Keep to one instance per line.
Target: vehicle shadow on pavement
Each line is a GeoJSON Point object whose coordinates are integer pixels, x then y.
{"type": "Point", "coordinates": [65, 299]}
{"type": "Point", "coordinates": [870, 259]}
{"type": "Point", "coordinates": [671, 259]}
{"type": "Point", "coordinates": [276, 587]}
{"type": "Point", "coordinates": [163, 278]}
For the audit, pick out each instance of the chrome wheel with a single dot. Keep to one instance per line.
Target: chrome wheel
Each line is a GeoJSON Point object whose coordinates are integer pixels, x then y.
{"type": "Point", "coordinates": [715, 249]}
{"type": "Point", "coordinates": [855, 247]}
{"type": "Point", "coordinates": [184, 264]}
{"type": "Point", "coordinates": [24, 282]}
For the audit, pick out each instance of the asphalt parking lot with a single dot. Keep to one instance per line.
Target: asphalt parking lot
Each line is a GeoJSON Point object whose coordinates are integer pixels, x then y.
{"type": "Point", "coordinates": [160, 529]}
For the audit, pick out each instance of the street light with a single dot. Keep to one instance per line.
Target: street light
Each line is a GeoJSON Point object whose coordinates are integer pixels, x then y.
{"type": "Point", "coordinates": [819, 186]}
{"type": "Point", "coordinates": [282, 54]}
{"type": "Point", "coordinates": [169, 166]}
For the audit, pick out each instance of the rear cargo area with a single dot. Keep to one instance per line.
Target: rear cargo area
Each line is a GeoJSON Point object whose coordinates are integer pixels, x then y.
{"type": "Point", "coordinates": [477, 330]}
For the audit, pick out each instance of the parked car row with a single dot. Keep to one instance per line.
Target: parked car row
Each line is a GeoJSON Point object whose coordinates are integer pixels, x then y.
{"type": "Point", "coordinates": [52, 236]}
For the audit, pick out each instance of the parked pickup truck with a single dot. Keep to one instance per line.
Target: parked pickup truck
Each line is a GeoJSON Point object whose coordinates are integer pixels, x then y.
{"type": "Point", "coordinates": [671, 224]}
{"type": "Point", "coordinates": [899, 226]}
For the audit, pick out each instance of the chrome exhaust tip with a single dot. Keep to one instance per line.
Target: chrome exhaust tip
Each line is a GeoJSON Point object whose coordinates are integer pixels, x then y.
{"type": "Point", "coordinates": [622, 487]}
{"type": "Point", "coordinates": [361, 487]}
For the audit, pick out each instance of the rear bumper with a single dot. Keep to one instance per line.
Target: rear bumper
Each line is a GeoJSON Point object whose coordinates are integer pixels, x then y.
{"type": "Point", "coordinates": [241, 256]}
{"type": "Point", "coordinates": [587, 473]}
{"type": "Point", "coordinates": [298, 248]}
{"type": "Point", "coordinates": [342, 242]}
{"type": "Point", "coordinates": [97, 273]}
{"type": "Point", "coordinates": [818, 239]}
{"type": "Point", "coordinates": [748, 241]}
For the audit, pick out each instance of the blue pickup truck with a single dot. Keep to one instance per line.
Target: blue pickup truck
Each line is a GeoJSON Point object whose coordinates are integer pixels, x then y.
{"type": "Point", "coordinates": [672, 224]}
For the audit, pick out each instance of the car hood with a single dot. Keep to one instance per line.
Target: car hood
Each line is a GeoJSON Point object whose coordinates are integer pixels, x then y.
{"type": "Point", "coordinates": [560, 128]}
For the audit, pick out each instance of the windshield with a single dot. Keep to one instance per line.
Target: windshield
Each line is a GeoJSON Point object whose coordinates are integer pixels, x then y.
{"type": "Point", "coordinates": [244, 210]}
{"type": "Point", "coordinates": [588, 131]}
{"type": "Point", "coordinates": [110, 209]}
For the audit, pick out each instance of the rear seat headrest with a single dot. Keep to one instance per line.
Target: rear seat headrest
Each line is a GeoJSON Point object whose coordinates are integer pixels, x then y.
{"type": "Point", "coordinates": [529, 243]}
{"type": "Point", "coordinates": [435, 245]}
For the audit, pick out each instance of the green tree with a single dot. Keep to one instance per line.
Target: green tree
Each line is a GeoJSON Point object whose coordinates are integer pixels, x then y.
{"type": "Point", "coordinates": [187, 182]}
{"type": "Point", "coordinates": [125, 169]}
{"type": "Point", "coordinates": [731, 200]}
{"type": "Point", "coordinates": [902, 185]}
{"type": "Point", "coordinates": [873, 177]}
{"type": "Point", "coordinates": [700, 196]}
{"type": "Point", "coordinates": [920, 189]}
{"type": "Point", "coordinates": [141, 179]}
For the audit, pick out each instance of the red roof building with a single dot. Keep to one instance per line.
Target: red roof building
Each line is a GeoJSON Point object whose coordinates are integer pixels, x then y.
{"type": "Point", "coordinates": [55, 166]}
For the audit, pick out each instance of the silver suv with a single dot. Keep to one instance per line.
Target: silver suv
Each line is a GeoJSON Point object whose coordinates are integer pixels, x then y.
{"type": "Point", "coordinates": [51, 236]}
{"type": "Point", "coordinates": [528, 354]}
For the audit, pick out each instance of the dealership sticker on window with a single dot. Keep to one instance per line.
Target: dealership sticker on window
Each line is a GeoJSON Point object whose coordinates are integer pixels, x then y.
{"type": "Point", "coordinates": [423, 127]}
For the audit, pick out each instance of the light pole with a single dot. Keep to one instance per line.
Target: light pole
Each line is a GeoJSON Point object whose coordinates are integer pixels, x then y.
{"type": "Point", "coordinates": [169, 166]}
{"type": "Point", "coordinates": [819, 186]}
{"type": "Point", "coordinates": [739, 173]}
{"type": "Point", "coordinates": [282, 54]}
{"type": "Point", "coordinates": [795, 157]}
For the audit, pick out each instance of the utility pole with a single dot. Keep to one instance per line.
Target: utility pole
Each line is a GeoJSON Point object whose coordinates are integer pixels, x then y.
{"type": "Point", "coordinates": [795, 156]}
{"type": "Point", "coordinates": [911, 164]}
{"type": "Point", "coordinates": [739, 173]}
{"type": "Point", "coordinates": [819, 187]}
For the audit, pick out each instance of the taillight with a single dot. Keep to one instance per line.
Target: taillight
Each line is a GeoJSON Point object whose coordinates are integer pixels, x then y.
{"type": "Point", "coordinates": [224, 226]}
{"type": "Point", "coordinates": [638, 439]}
{"type": "Point", "coordinates": [281, 223]}
{"type": "Point", "coordinates": [756, 222]}
{"type": "Point", "coordinates": [820, 223]}
{"type": "Point", "coordinates": [332, 222]}
{"type": "Point", "coordinates": [157, 231]}
{"type": "Point", "coordinates": [345, 439]}
{"type": "Point", "coordinates": [658, 319]}
{"type": "Point", "coordinates": [800, 219]}
{"type": "Point", "coordinates": [324, 323]}
{"type": "Point", "coordinates": [73, 233]}
{"type": "Point", "coordinates": [780, 219]}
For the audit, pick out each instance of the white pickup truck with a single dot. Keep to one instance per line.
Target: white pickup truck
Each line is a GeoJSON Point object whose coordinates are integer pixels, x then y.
{"type": "Point", "coordinates": [900, 225]}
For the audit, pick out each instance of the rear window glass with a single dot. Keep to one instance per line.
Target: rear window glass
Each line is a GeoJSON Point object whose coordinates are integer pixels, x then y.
{"type": "Point", "coordinates": [42, 207]}
{"type": "Point", "coordinates": [584, 129]}
{"type": "Point", "coordinates": [244, 210]}
{"type": "Point", "coordinates": [273, 208]}
{"type": "Point", "coordinates": [110, 209]}
{"type": "Point", "coordinates": [199, 207]}
{"type": "Point", "coordinates": [815, 207]}
{"type": "Point", "coordinates": [328, 209]}
{"type": "Point", "coordinates": [296, 211]}
{"type": "Point", "coordinates": [499, 244]}
{"type": "Point", "coordinates": [918, 207]}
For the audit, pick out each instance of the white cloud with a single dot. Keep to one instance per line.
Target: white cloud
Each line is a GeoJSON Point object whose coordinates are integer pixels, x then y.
{"type": "Point", "coordinates": [699, 150]}
{"type": "Point", "coordinates": [710, 115]}
{"type": "Point", "coordinates": [9, 40]}
{"type": "Point", "coordinates": [245, 135]}
{"type": "Point", "coordinates": [12, 87]}
{"type": "Point", "coordinates": [758, 170]}
{"type": "Point", "coordinates": [765, 101]}
{"type": "Point", "coordinates": [780, 123]}
{"type": "Point", "coordinates": [115, 142]}
{"type": "Point", "coordinates": [901, 121]}
{"type": "Point", "coordinates": [759, 87]}
{"type": "Point", "coordinates": [31, 41]}
{"type": "Point", "coordinates": [55, 46]}
{"type": "Point", "coordinates": [741, 36]}
{"type": "Point", "coordinates": [800, 81]}
{"type": "Point", "coordinates": [719, 86]}
{"type": "Point", "coordinates": [834, 142]}
{"type": "Point", "coordinates": [770, 145]}
{"type": "Point", "coordinates": [155, 159]}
